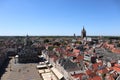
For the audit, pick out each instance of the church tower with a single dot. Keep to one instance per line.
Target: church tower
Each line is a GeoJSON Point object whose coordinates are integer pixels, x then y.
{"type": "Point", "coordinates": [27, 41]}
{"type": "Point", "coordinates": [83, 33]}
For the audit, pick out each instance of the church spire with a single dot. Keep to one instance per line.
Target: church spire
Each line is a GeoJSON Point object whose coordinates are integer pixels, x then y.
{"type": "Point", "coordinates": [84, 29]}
{"type": "Point", "coordinates": [83, 33]}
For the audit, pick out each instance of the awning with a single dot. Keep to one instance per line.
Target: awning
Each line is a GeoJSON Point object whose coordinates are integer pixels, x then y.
{"type": "Point", "coordinates": [57, 73]}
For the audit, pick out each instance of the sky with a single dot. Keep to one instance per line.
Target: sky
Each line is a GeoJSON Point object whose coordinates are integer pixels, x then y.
{"type": "Point", "coordinates": [59, 17]}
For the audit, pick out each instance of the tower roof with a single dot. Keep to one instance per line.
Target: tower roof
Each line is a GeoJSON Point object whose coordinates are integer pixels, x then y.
{"type": "Point", "coordinates": [83, 30]}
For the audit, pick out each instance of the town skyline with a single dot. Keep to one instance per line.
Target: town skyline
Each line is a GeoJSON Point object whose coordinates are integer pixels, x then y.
{"type": "Point", "coordinates": [59, 17]}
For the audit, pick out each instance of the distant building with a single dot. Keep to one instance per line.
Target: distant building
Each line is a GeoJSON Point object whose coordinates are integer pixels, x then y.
{"type": "Point", "coordinates": [27, 54]}
{"type": "Point", "coordinates": [74, 36]}
{"type": "Point", "coordinates": [83, 33]}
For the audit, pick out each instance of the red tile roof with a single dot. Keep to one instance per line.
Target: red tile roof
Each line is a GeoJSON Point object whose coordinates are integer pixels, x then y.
{"type": "Point", "coordinates": [116, 68]}
{"type": "Point", "coordinates": [96, 65]}
{"type": "Point", "coordinates": [78, 75]}
{"type": "Point", "coordinates": [90, 73]}
{"type": "Point", "coordinates": [79, 58]}
{"type": "Point", "coordinates": [95, 78]}
{"type": "Point", "coordinates": [69, 54]}
{"type": "Point", "coordinates": [76, 51]}
{"type": "Point", "coordinates": [109, 77]}
{"type": "Point", "coordinates": [115, 50]}
{"type": "Point", "coordinates": [103, 71]}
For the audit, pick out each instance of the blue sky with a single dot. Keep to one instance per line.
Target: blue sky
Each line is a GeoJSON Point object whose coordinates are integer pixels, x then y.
{"type": "Point", "coordinates": [59, 17]}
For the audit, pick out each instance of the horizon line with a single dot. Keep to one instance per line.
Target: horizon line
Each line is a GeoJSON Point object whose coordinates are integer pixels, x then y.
{"type": "Point", "coordinates": [61, 35]}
